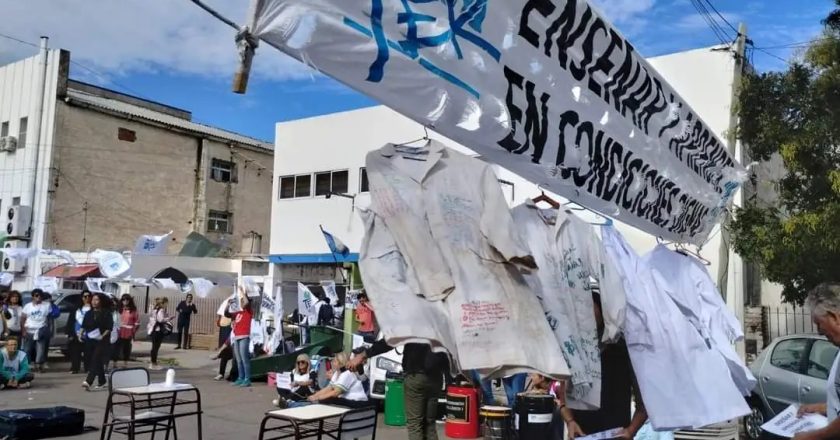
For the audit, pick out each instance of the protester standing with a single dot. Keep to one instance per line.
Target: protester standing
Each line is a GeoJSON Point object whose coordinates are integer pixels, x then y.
{"type": "Point", "coordinates": [113, 347]}
{"type": "Point", "coordinates": [242, 339]}
{"type": "Point", "coordinates": [159, 327]}
{"type": "Point", "coordinates": [424, 371]}
{"type": "Point", "coordinates": [824, 302]}
{"type": "Point", "coordinates": [185, 310]}
{"type": "Point", "coordinates": [96, 330]}
{"type": "Point", "coordinates": [73, 330]}
{"type": "Point", "coordinates": [35, 323]}
{"type": "Point", "coordinates": [14, 367]}
{"type": "Point", "coordinates": [366, 318]}
{"type": "Point", "coordinates": [619, 390]}
{"type": "Point", "coordinates": [129, 323]}
{"type": "Point", "coordinates": [12, 312]}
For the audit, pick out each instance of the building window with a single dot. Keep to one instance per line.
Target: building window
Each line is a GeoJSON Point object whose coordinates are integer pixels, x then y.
{"type": "Point", "coordinates": [24, 125]}
{"type": "Point", "coordinates": [292, 187]}
{"type": "Point", "coordinates": [223, 171]}
{"type": "Point", "coordinates": [363, 181]}
{"type": "Point", "coordinates": [16, 201]}
{"type": "Point", "coordinates": [127, 135]}
{"type": "Point", "coordinates": [219, 222]}
{"type": "Point", "coordinates": [331, 181]}
{"type": "Point", "coordinates": [4, 129]}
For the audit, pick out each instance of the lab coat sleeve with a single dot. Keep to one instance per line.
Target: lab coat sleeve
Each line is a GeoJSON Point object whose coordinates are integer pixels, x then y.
{"type": "Point", "coordinates": [613, 294]}
{"type": "Point", "coordinates": [497, 224]}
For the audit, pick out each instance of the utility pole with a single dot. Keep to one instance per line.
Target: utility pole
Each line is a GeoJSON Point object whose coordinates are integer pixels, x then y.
{"type": "Point", "coordinates": [734, 297]}
{"type": "Point", "coordinates": [84, 228]}
{"type": "Point", "coordinates": [39, 217]}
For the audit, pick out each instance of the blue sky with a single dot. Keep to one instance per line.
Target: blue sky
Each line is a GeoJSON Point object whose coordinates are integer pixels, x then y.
{"type": "Point", "coordinates": [171, 52]}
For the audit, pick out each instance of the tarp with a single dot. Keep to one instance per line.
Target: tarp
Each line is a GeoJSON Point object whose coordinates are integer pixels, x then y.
{"type": "Point", "coordinates": [546, 89]}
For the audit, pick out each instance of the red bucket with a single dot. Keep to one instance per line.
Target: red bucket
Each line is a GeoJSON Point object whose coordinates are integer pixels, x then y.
{"type": "Point", "coordinates": [461, 412]}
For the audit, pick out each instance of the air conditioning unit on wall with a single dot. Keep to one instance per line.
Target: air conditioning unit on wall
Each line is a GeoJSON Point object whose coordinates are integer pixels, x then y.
{"type": "Point", "coordinates": [17, 221]}
{"type": "Point", "coordinates": [8, 143]}
{"type": "Point", "coordinates": [10, 265]}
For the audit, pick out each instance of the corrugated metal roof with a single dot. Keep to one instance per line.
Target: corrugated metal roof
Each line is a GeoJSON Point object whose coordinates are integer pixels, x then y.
{"type": "Point", "coordinates": [113, 105]}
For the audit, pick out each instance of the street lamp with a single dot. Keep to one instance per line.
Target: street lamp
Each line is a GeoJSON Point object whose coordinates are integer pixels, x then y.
{"type": "Point", "coordinates": [352, 197]}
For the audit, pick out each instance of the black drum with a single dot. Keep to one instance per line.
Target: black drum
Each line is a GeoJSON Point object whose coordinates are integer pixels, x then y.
{"type": "Point", "coordinates": [533, 416]}
{"type": "Point", "coordinates": [498, 422]}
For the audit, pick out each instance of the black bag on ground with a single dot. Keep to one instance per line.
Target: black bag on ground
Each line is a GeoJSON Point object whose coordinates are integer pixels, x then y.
{"type": "Point", "coordinates": [35, 423]}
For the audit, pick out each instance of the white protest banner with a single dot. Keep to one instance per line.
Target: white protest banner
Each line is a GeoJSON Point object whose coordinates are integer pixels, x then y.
{"type": "Point", "coordinates": [111, 264]}
{"type": "Point", "coordinates": [306, 303]}
{"type": "Point", "coordinates": [547, 89]}
{"type": "Point", "coordinates": [787, 424]}
{"type": "Point", "coordinates": [152, 244]}
{"type": "Point", "coordinates": [329, 290]}
{"type": "Point", "coordinates": [47, 284]}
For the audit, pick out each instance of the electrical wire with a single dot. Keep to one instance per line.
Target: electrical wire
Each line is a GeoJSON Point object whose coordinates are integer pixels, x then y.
{"type": "Point", "coordinates": [710, 21]}
{"type": "Point", "coordinates": [731, 26]}
{"type": "Point", "coordinates": [101, 75]}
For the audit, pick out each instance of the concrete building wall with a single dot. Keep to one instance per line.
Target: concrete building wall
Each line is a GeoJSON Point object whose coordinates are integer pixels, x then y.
{"type": "Point", "coordinates": [131, 188]}
{"type": "Point", "coordinates": [148, 185]}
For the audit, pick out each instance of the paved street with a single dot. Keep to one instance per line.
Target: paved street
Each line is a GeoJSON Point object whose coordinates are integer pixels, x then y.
{"type": "Point", "coordinates": [230, 413]}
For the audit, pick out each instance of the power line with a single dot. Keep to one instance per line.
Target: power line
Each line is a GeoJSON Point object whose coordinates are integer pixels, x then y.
{"type": "Point", "coordinates": [723, 18]}
{"type": "Point", "coordinates": [795, 45]}
{"type": "Point", "coordinates": [78, 64]}
{"type": "Point", "coordinates": [772, 55]}
{"type": "Point", "coordinates": [719, 32]}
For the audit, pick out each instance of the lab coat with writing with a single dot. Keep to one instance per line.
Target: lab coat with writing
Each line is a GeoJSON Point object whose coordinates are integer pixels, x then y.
{"type": "Point", "coordinates": [569, 253]}
{"type": "Point", "coordinates": [684, 382]}
{"type": "Point", "coordinates": [449, 220]}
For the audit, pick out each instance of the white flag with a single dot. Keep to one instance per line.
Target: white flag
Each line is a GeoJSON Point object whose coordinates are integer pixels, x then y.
{"type": "Point", "coordinates": [19, 253]}
{"type": "Point", "coordinates": [165, 283]}
{"type": "Point", "coordinates": [202, 287]}
{"type": "Point", "coordinates": [64, 255]}
{"type": "Point", "coordinates": [111, 264]}
{"type": "Point", "coordinates": [329, 290]}
{"type": "Point", "coordinates": [251, 284]}
{"type": "Point", "coordinates": [152, 244]}
{"type": "Point", "coordinates": [47, 284]}
{"type": "Point", "coordinates": [94, 285]}
{"type": "Point", "coordinates": [306, 303]}
{"type": "Point", "coordinates": [6, 278]}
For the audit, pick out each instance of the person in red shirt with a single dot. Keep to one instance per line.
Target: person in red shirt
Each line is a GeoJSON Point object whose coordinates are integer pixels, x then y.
{"type": "Point", "coordinates": [241, 339]}
{"type": "Point", "coordinates": [366, 319]}
{"type": "Point", "coordinates": [129, 323]}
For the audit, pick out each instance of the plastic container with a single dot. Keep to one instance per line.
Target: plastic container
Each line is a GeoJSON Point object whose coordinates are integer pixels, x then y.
{"type": "Point", "coordinates": [461, 412]}
{"type": "Point", "coordinates": [394, 400]}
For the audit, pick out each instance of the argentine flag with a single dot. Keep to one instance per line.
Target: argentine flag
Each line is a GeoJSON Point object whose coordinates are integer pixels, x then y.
{"type": "Point", "coordinates": [336, 245]}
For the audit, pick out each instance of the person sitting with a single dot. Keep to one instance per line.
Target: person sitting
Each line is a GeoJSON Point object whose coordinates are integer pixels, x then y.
{"type": "Point", "coordinates": [345, 389]}
{"type": "Point", "coordinates": [14, 367]}
{"type": "Point", "coordinates": [304, 382]}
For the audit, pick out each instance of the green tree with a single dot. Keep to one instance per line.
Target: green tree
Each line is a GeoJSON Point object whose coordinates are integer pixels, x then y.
{"type": "Point", "coordinates": [796, 114]}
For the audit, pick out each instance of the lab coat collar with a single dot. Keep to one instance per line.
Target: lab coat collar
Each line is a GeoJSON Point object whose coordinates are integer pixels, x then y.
{"type": "Point", "coordinates": [435, 150]}
{"type": "Point", "coordinates": [548, 216]}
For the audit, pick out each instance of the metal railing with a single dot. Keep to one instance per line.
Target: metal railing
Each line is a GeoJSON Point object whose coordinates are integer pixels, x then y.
{"type": "Point", "coordinates": [786, 320]}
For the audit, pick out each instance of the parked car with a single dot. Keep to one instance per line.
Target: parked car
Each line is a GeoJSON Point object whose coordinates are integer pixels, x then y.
{"type": "Point", "coordinates": [792, 370]}
{"type": "Point", "coordinates": [379, 367]}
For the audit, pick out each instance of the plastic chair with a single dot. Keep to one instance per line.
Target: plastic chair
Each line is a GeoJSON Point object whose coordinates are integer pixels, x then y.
{"type": "Point", "coordinates": [358, 423]}
{"type": "Point", "coordinates": [147, 419]}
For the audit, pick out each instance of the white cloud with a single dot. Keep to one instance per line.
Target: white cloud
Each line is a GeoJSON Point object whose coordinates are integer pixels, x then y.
{"type": "Point", "coordinates": [696, 22]}
{"type": "Point", "coordinates": [629, 16]}
{"type": "Point", "coordinates": [129, 36]}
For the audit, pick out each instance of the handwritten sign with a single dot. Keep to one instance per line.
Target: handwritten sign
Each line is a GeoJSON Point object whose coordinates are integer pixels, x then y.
{"type": "Point", "coordinates": [787, 424]}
